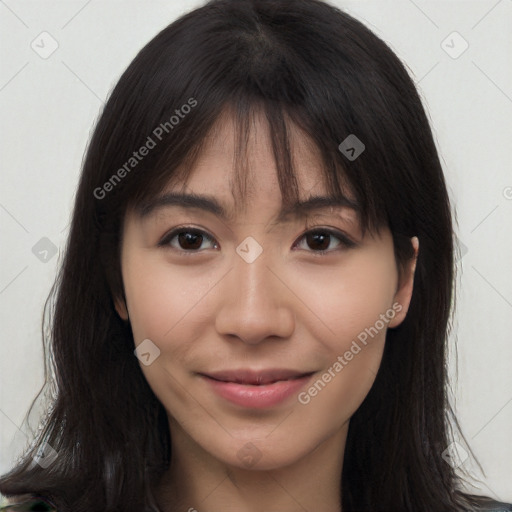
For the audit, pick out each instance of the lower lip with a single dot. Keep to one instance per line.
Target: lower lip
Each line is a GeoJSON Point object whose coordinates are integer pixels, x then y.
{"type": "Point", "coordinates": [258, 397]}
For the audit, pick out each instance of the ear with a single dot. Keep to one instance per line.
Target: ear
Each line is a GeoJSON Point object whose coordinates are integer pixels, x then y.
{"type": "Point", "coordinates": [122, 310]}
{"type": "Point", "coordinates": [403, 294]}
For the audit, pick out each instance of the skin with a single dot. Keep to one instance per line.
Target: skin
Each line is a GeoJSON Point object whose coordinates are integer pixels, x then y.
{"type": "Point", "coordinates": [290, 308]}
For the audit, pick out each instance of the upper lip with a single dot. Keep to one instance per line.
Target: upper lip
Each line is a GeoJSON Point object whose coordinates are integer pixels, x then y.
{"type": "Point", "coordinates": [256, 377]}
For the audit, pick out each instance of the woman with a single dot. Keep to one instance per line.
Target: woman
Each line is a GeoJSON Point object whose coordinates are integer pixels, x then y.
{"type": "Point", "coordinates": [258, 282]}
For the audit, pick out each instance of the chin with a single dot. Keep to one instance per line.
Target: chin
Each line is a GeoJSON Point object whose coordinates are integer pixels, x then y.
{"type": "Point", "coordinates": [261, 454]}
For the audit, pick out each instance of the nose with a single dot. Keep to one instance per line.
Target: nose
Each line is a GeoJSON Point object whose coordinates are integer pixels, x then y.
{"type": "Point", "coordinates": [254, 303]}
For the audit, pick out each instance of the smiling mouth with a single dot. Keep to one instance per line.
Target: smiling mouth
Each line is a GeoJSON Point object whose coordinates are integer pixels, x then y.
{"type": "Point", "coordinates": [257, 390]}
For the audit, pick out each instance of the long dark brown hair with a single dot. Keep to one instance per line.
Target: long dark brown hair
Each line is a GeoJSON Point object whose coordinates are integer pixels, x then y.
{"type": "Point", "coordinates": [302, 62]}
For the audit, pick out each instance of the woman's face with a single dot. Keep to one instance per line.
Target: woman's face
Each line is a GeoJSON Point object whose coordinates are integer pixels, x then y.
{"type": "Point", "coordinates": [250, 296]}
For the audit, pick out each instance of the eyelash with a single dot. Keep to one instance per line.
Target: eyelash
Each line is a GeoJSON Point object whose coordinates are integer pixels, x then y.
{"type": "Point", "coordinates": [345, 242]}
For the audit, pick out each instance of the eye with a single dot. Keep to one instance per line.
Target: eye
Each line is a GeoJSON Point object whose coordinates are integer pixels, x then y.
{"type": "Point", "coordinates": [187, 239]}
{"type": "Point", "coordinates": [320, 241]}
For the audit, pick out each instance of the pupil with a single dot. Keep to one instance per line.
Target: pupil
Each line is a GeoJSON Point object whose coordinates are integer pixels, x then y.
{"type": "Point", "coordinates": [186, 238]}
{"type": "Point", "coordinates": [323, 238]}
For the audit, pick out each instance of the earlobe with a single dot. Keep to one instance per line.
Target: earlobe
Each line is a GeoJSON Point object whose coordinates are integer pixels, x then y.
{"type": "Point", "coordinates": [404, 293]}
{"type": "Point", "coordinates": [121, 308]}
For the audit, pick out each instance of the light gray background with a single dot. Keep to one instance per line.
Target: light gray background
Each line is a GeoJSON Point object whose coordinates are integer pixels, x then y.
{"type": "Point", "coordinates": [49, 107]}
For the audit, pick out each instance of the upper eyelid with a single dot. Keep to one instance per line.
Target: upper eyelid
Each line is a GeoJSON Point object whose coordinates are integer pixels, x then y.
{"type": "Point", "coordinates": [176, 230]}
{"type": "Point", "coordinates": [340, 234]}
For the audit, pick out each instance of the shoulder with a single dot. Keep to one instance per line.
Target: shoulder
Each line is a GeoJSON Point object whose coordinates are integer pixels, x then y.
{"type": "Point", "coordinates": [502, 507]}
{"type": "Point", "coordinates": [494, 506]}
{"type": "Point", "coordinates": [26, 503]}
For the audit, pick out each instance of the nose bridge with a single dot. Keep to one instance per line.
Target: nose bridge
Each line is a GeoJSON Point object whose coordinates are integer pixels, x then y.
{"type": "Point", "coordinates": [253, 301]}
{"type": "Point", "coordinates": [253, 279]}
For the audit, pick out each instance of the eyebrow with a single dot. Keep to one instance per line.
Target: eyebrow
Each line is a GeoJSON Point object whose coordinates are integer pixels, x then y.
{"type": "Point", "coordinates": [210, 204]}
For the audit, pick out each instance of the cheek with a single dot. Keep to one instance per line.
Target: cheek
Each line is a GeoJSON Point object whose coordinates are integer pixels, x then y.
{"type": "Point", "coordinates": [350, 298]}
{"type": "Point", "coordinates": [165, 305]}
{"type": "Point", "coordinates": [162, 298]}
{"type": "Point", "coordinates": [349, 320]}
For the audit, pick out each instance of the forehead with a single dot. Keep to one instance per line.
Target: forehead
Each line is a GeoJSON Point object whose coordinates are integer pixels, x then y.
{"type": "Point", "coordinates": [240, 172]}
{"type": "Point", "coordinates": [228, 154]}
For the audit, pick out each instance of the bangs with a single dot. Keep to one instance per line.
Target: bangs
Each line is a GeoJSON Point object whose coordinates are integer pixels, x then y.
{"type": "Point", "coordinates": [280, 122]}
